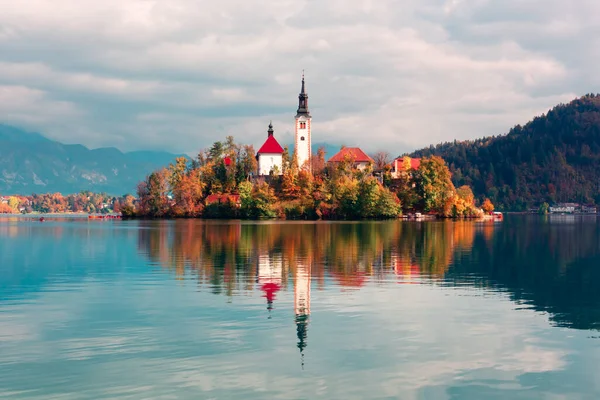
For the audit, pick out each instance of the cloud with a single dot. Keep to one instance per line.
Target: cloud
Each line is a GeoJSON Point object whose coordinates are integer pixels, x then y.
{"type": "Point", "coordinates": [182, 74]}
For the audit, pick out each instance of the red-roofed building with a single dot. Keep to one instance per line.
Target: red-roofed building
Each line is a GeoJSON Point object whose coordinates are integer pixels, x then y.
{"type": "Point", "coordinates": [398, 166]}
{"type": "Point", "coordinates": [270, 155]}
{"type": "Point", "coordinates": [354, 154]}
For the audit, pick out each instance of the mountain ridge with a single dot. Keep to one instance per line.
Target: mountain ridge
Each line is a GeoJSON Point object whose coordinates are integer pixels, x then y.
{"type": "Point", "coordinates": [31, 163]}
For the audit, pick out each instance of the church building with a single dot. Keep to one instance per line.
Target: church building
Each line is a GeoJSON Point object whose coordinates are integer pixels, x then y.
{"type": "Point", "coordinates": [270, 155]}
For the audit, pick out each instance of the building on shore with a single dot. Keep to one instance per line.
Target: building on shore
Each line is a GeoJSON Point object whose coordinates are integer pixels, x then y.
{"type": "Point", "coordinates": [270, 155]}
{"type": "Point", "coordinates": [355, 155]}
{"type": "Point", "coordinates": [398, 167]}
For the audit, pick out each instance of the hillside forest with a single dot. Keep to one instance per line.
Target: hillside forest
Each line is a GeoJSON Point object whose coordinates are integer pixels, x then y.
{"type": "Point", "coordinates": [554, 158]}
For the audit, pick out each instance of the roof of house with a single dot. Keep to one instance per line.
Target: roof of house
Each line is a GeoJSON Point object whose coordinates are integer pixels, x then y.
{"type": "Point", "coordinates": [415, 163]}
{"type": "Point", "coordinates": [271, 146]}
{"type": "Point", "coordinates": [354, 153]}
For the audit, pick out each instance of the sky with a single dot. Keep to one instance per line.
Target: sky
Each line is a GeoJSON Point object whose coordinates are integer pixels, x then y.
{"type": "Point", "coordinates": [392, 75]}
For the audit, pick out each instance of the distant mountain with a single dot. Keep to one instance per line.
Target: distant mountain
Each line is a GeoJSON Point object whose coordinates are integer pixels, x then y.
{"type": "Point", "coordinates": [31, 163]}
{"type": "Point", "coordinates": [554, 158]}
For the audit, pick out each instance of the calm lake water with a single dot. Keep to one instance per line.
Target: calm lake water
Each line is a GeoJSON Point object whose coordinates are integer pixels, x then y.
{"type": "Point", "coordinates": [220, 310]}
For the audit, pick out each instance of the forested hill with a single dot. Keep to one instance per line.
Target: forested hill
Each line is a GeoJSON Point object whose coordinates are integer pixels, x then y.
{"type": "Point", "coordinates": [554, 158]}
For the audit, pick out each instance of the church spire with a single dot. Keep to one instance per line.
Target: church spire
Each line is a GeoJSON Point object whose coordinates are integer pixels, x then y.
{"type": "Point", "coordinates": [303, 100]}
{"type": "Point", "coordinates": [270, 131]}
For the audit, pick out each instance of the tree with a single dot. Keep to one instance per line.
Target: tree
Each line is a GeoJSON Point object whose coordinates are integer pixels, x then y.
{"type": "Point", "coordinates": [466, 194]}
{"type": "Point", "coordinates": [289, 189]}
{"type": "Point", "coordinates": [247, 164]}
{"type": "Point", "coordinates": [544, 209]}
{"type": "Point", "coordinates": [177, 171]}
{"type": "Point", "coordinates": [487, 206]}
{"type": "Point", "coordinates": [153, 194]}
{"type": "Point", "coordinates": [13, 202]}
{"type": "Point", "coordinates": [434, 185]}
{"type": "Point", "coordinates": [381, 158]}
{"type": "Point", "coordinates": [317, 162]}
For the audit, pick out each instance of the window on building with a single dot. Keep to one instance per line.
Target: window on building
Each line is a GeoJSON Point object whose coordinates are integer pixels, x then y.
{"type": "Point", "coordinates": [302, 125]}
{"type": "Point", "coordinates": [302, 138]}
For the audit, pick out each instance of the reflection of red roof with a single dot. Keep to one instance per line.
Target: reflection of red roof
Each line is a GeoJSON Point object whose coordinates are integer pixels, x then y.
{"type": "Point", "coordinates": [354, 153]}
{"type": "Point", "coordinates": [271, 146]}
{"type": "Point", "coordinates": [270, 289]}
{"type": "Point", "coordinates": [222, 198]}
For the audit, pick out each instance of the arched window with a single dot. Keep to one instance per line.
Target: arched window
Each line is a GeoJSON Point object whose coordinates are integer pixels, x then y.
{"type": "Point", "coordinates": [302, 125]}
{"type": "Point", "coordinates": [302, 138]}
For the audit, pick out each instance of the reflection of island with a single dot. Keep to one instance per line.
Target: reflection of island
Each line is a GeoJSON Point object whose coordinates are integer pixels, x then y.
{"type": "Point", "coordinates": [543, 264]}
{"type": "Point", "coordinates": [302, 304]}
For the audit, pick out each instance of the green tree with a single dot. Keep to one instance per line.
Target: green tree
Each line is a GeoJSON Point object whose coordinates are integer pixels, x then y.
{"type": "Point", "coordinates": [433, 184]}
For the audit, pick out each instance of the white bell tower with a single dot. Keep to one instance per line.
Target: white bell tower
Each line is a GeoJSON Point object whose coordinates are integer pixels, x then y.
{"type": "Point", "coordinates": [303, 130]}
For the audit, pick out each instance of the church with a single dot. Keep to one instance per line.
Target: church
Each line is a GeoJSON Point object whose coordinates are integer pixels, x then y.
{"type": "Point", "coordinates": [270, 154]}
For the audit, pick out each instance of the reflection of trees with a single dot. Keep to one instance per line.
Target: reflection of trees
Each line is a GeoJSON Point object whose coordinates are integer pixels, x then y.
{"type": "Point", "coordinates": [224, 256]}
{"type": "Point", "coordinates": [552, 267]}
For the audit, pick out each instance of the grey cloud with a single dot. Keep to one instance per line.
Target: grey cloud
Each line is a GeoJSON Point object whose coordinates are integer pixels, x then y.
{"type": "Point", "coordinates": [182, 74]}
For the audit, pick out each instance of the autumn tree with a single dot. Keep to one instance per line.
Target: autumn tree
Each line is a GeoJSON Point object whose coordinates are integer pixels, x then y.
{"type": "Point", "coordinates": [487, 206]}
{"type": "Point", "coordinates": [382, 159]}
{"type": "Point", "coordinates": [153, 194]}
{"type": "Point", "coordinates": [433, 184]}
{"type": "Point", "coordinates": [317, 162]}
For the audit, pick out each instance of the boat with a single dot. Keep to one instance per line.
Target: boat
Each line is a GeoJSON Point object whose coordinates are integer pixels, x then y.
{"type": "Point", "coordinates": [497, 215]}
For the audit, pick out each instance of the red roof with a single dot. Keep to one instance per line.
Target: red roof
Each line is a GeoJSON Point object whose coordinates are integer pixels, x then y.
{"type": "Point", "coordinates": [415, 163]}
{"type": "Point", "coordinates": [354, 153]}
{"type": "Point", "coordinates": [271, 146]}
{"type": "Point", "coordinates": [227, 161]}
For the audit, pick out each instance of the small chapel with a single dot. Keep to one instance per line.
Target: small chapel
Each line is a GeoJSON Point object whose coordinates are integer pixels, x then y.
{"type": "Point", "coordinates": [270, 154]}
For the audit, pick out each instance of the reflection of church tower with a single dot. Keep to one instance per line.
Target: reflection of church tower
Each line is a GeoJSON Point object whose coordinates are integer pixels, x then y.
{"type": "Point", "coordinates": [302, 305]}
{"type": "Point", "coordinates": [269, 277]}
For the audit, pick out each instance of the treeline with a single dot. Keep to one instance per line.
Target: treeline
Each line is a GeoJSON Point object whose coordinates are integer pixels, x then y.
{"type": "Point", "coordinates": [554, 158]}
{"type": "Point", "coordinates": [220, 183]}
{"type": "Point", "coordinates": [84, 202]}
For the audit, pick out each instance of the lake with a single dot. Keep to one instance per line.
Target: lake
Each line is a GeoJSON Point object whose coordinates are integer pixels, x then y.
{"type": "Point", "coordinates": [290, 310]}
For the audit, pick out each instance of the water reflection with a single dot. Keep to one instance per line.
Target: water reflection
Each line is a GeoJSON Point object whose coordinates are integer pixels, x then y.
{"type": "Point", "coordinates": [550, 267]}
{"type": "Point", "coordinates": [201, 309]}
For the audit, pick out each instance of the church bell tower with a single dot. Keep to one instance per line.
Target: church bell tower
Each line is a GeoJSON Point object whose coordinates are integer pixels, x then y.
{"type": "Point", "coordinates": [303, 130]}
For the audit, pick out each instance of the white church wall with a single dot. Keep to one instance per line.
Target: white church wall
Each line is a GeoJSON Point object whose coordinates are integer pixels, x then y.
{"type": "Point", "coordinates": [268, 162]}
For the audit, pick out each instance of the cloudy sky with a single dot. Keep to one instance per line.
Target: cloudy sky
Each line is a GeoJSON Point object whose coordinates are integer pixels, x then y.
{"type": "Point", "coordinates": [381, 74]}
